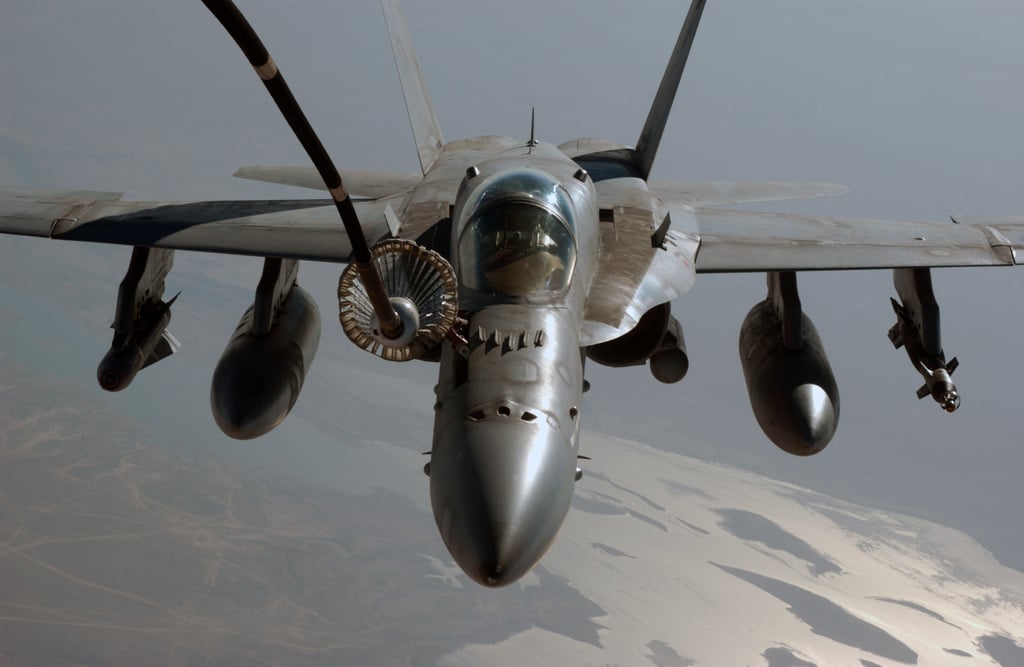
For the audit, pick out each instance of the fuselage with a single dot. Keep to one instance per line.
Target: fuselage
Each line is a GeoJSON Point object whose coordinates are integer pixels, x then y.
{"type": "Point", "coordinates": [550, 264]}
{"type": "Point", "coordinates": [506, 430]}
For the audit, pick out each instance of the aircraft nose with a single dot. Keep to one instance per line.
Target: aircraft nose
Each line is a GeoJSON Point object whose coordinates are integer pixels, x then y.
{"type": "Point", "coordinates": [496, 548]}
{"type": "Point", "coordinates": [500, 491]}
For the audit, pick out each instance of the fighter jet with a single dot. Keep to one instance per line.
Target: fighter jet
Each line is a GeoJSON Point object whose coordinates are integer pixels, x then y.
{"type": "Point", "coordinates": [509, 263]}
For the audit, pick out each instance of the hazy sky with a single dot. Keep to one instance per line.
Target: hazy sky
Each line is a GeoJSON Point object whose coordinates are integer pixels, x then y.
{"type": "Point", "coordinates": [914, 104]}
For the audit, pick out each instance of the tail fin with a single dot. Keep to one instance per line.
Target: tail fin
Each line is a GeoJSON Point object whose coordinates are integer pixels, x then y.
{"type": "Point", "coordinates": [425, 128]}
{"type": "Point", "coordinates": [650, 136]}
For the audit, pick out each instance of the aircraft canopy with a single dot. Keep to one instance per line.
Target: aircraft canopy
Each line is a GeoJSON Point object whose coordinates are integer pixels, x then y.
{"type": "Point", "coordinates": [518, 239]}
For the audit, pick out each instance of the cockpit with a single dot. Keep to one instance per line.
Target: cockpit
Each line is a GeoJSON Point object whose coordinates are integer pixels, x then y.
{"type": "Point", "coordinates": [518, 237]}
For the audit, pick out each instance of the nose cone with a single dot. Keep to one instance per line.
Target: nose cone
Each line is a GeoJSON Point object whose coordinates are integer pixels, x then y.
{"type": "Point", "coordinates": [118, 368]}
{"type": "Point", "coordinates": [500, 490]}
{"type": "Point", "coordinates": [495, 555]}
{"type": "Point", "coordinates": [815, 418]}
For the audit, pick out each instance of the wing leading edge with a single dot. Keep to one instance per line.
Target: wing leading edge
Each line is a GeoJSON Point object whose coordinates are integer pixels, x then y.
{"type": "Point", "coordinates": [722, 193]}
{"type": "Point", "coordinates": [288, 228]}
{"type": "Point", "coordinates": [359, 183]}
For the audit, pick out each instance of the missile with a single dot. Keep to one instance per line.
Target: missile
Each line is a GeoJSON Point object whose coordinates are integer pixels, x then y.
{"type": "Point", "coordinates": [146, 343]}
{"type": "Point", "coordinates": [259, 377]}
{"type": "Point", "coordinates": [918, 329]}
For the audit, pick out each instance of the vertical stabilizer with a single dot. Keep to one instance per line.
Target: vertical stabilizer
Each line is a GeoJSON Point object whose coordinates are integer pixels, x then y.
{"type": "Point", "coordinates": [425, 128]}
{"type": "Point", "coordinates": [650, 136]}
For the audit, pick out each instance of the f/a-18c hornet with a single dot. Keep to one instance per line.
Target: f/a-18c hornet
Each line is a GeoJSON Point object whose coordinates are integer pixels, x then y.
{"type": "Point", "coordinates": [509, 263]}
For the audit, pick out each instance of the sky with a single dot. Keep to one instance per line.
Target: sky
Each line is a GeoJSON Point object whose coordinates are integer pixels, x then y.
{"type": "Point", "coordinates": [915, 105]}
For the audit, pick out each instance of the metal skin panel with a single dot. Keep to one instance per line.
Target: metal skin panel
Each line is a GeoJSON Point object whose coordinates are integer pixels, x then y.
{"type": "Point", "coordinates": [507, 423]}
{"type": "Point", "coordinates": [1006, 232]}
{"type": "Point", "coordinates": [633, 275]}
{"type": "Point", "coordinates": [738, 241]}
{"type": "Point", "coordinates": [434, 197]}
{"type": "Point", "coordinates": [36, 212]}
{"type": "Point", "coordinates": [718, 193]}
{"type": "Point", "coordinates": [506, 436]}
{"type": "Point", "coordinates": [359, 183]}
{"type": "Point", "coordinates": [587, 145]}
{"type": "Point", "coordinates": [294, 228]}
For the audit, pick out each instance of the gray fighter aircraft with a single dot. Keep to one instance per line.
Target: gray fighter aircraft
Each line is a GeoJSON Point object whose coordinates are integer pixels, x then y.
{"type": "Point", "coordinates": [510, 263]}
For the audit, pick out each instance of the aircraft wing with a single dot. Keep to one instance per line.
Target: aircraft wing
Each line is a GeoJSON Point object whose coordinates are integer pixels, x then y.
{"type": "Point", "coordinates": [368, 184]}
{"type": "Point", "coordinates": [289, 228]}
{"type": "Point", "coordinates": [719, 193]}
{"type": "Point", "coordinates": [743, 241]}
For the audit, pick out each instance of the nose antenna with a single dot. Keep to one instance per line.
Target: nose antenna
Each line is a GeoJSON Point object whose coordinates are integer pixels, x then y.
{"type": "Point", "coordinates": [533, 141]}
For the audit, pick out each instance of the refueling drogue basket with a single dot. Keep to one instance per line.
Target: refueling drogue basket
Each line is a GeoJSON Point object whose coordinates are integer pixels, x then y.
{"type": "Point", "coordinates": [422, 287]}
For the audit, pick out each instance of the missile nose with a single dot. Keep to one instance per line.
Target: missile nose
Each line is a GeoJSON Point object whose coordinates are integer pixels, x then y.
{"type": "Point", "coordinates": [118, 368]}
{"type": "Point", "coordinates": [500, 490]}
{"type": "Point", "coordinates": [817, 422]}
